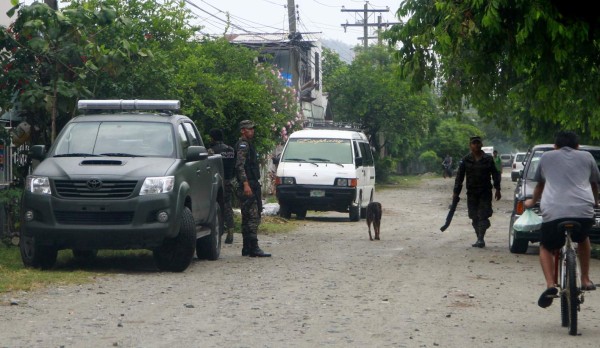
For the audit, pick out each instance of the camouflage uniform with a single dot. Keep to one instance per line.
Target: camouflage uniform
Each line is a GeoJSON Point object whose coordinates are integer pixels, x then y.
{"type": "Point", "coordinates": [480, 175]}
{"type": "Point", "coordinates": [228, 155]}
{"type": "Point", "coordinates": [247, 170]}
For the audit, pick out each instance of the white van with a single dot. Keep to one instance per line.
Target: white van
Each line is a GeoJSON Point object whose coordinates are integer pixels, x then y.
{"type": "Point", "coordinates": [325, 170]}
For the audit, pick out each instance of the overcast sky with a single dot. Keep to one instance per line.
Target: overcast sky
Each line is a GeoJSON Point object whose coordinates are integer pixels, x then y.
{"type": "Point", "coordinates": [323, 17]}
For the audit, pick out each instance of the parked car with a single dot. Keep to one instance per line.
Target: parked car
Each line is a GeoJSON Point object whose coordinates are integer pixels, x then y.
{"type": "Point", "coordinates": [518, 241]}
{"type": "Point", "coordinates": [517, 165]}
{"type": "Point", "coordinates": [507, 159]}
{"type": "Point", "coordinates": [131, 174]}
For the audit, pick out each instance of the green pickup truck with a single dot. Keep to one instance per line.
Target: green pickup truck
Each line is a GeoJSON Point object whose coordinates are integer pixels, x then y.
{"type": "Point", "coordinates": [126, 174]}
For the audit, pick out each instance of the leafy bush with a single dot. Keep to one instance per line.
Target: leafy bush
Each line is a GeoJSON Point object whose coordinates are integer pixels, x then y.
{"type": "Point", "coordinates": [430, 160]}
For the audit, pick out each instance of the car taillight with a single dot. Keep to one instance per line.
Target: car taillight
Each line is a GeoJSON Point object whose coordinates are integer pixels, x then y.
{"type": "Point", "coordinates": [520, 208]}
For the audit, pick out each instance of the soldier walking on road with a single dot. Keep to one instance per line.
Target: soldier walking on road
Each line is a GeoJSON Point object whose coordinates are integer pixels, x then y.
{"type": "Point", "coordinates": [480, 170]}
{"type": "Point", "coordinates": [248, 175]}
{"type": "Point", "coordinates": [217, 146]}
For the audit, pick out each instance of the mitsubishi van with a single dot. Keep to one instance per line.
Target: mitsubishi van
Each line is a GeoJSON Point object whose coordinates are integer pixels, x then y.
{"type": "Point", "coordinates": [325, 170]}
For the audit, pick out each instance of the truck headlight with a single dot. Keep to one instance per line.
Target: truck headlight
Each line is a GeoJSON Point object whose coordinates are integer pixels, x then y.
{"type": "Point", "coordinates": [38, 184]}
{"type": "Point", "coordinates": [160, 184]}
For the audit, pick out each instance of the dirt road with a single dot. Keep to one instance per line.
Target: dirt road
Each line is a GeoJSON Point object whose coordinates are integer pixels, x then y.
{"type": "Point", "coordinates": [326, 285]}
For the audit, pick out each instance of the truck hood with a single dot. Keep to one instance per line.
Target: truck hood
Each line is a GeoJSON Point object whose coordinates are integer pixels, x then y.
{"type": "Point", "coordinates": [316, 174]}
{"type": "Point", "coordinates": [104, 167]}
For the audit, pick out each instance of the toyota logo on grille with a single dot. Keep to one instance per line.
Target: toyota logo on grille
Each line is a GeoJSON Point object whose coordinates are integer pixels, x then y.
{"type": "Point", "coordinates": [94, 184]}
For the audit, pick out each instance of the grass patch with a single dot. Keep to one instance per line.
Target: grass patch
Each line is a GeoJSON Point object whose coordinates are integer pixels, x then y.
{"type": "Point", "coordinates": [396, 181]}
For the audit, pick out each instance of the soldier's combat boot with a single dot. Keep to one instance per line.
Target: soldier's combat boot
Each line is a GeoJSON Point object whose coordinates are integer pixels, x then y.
{"type": "Point", "coordinates": [255, 251]}
{"type": "Point", "coordinates": [477, 244]}
{"type": "Point", "coordinates": [229, 238]}
{"type": "Point", "coordinates": [246, 247]}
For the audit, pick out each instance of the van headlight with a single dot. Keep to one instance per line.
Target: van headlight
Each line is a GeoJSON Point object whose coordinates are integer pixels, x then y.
{"type": "Point", "coordinates": [160, 184]}
{"type": "Point", "coordinates": [345, 182]}
{"type": "Point", "coordinates": [285, 180]}
{"type": "Point", "coordinates": [38, 184]}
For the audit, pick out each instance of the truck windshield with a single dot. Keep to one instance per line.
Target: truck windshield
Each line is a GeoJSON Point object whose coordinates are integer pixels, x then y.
{"type": "Point", "coordinates": [125, 139]}
{"type": "Point", "coordinates": [318, 150]}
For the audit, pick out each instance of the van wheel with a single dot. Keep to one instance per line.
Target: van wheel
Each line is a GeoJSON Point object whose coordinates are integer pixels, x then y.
{"type": "Point", "coordinates": [355, 212]}
{"type": "Point", "coordinates": [209, 247]}
{"type": "Point", "coordinates": [284, 211]}
{"type": "Point", "coordinates": [175, 255]}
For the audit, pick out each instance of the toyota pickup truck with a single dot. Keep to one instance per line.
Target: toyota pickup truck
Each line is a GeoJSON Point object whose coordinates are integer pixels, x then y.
{"type": "Point", "coordinates": [126, 174]}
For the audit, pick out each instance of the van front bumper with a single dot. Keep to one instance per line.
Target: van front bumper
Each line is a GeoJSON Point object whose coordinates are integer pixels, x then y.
{"type": "Point", "coordinates": [316, 197]}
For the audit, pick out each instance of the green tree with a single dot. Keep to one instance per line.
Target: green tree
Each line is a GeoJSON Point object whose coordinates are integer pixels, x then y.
{"type": "Point", "coordinates": [369, 94]}
{"type": "Point", "coordinates": [526, 64]}
{"type": "Point", "coordinates": [47, 56]}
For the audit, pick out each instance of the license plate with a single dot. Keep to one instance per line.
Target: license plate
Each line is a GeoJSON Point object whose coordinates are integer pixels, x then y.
{"type": "Point", "coordinates": [317, 193]}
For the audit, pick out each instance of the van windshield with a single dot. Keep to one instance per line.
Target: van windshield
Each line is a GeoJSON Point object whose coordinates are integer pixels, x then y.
{"type": "Point", "coordinates": [318, 150]}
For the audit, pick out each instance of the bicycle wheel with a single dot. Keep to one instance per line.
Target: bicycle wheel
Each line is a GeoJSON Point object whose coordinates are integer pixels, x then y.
{"type": "Point", "coordinates": [564, 304]}
{"type": "Point", "coordinates": [572, 291]}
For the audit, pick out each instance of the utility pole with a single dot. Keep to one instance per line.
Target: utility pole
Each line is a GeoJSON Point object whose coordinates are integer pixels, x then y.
{"type": "Point", "coordinates": [292, 16]}
{"type": "Point", "coordinates": [365, 23]}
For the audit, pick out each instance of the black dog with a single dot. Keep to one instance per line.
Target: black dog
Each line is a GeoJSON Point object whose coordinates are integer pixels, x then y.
{"type": "Point", "coordinates": [374, 216]}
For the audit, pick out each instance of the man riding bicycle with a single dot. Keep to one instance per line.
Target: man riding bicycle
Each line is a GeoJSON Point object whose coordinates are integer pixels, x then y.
{"type": "Point", "coordinates": [569, 179]}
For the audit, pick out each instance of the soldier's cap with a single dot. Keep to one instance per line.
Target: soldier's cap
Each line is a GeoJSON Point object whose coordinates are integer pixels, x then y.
{"type": "Point", "coordinates": [246, 124]}
{"type": "Point", "coordinates": [475, 139]}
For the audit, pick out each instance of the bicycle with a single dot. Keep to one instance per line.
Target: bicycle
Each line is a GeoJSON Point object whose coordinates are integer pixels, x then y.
{"type": "Point", "coordinates": [568, 277]}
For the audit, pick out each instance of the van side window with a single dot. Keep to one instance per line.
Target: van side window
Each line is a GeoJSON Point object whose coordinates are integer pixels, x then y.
{"type": "Point", "coordinates": [366, 154]}
{"type": "Point", "coordinates": [356, 149]}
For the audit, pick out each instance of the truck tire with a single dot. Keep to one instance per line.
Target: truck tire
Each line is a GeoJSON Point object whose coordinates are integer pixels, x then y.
{"type": "Point", "coordinates": [209, 247]}
{"type": "Point", "coordinates": [301, 214]}
{"type": "Point", "coordinates": [284, 211]}
{"type": "Point", "coordinates": [175, 255]}
{"type": "Point", "coordinates": [36, 256]}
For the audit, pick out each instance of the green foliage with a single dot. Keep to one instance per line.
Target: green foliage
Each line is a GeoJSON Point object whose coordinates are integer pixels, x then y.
{"type": "Point", "coordinates": [369, 93]}
{"type": "Point", "coordinates": [529, 65]}
{"type": "Point", "coordinates": [384, 168]}
{"type": "Point", "coordinates": [430, 160]}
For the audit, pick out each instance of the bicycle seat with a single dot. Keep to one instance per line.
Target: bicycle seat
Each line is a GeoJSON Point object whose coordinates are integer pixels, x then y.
{"type": "Point", "coordinates": [572, 225]}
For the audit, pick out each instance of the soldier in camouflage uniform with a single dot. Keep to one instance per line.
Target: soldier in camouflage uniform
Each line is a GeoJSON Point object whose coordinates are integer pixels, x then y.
{"type": "Point", "coordinates": [217, 146]}
{"type": "Point", "coordinates": [247, 171]}
{"type": "Point", "coordinates": [480, 170]}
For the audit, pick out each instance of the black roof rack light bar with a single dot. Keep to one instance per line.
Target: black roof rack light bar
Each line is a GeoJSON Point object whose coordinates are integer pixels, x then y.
{"type": "Point", "coordinates": [123, 104]}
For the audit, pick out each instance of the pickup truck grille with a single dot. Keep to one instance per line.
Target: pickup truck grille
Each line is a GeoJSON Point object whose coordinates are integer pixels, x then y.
{"type": "Point", "coordinates": [80, 189]}
{"type": "Point", "coordinates": [94, 218]}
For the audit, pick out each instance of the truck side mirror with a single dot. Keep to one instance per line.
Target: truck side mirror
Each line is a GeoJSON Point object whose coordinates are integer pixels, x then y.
{"type": "Point", "coordinates": [38, 152]}
{"type": "Point", "coordinates": [196, 153]}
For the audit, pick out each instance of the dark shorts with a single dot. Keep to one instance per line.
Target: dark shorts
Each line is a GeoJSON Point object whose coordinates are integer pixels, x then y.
{"type": "Point", "coordinates": [551, 239]}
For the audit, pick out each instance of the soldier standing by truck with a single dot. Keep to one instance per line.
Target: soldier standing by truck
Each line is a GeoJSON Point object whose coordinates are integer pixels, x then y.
{"type": "Point", "coordinates": [227, 153]}
{"type": "Point", "coordinates": [248, 175]}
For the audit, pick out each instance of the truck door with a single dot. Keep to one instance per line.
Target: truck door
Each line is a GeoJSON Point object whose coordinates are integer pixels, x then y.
{"type": "Point", "coordinates": [197, 174]}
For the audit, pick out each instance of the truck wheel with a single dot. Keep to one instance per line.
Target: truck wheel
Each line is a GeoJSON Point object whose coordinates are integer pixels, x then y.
{"type": "Point", "coordinates": [301, 214]}
{"type": "Point", "coordinates": [36, 256]}
{"type": "Point", "coordinates": [516, 246]}
{"type": "Point", "coordinates": [284, 211]}
{"type": "Point", "coordinates": [209, 247]}
{"type": "Point", "coordinates": [355, 212]}
{"type": "Point", "coordinates": [176, 254]}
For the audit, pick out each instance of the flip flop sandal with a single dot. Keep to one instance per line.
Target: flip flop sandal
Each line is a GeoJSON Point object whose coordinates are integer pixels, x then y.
{"type": "Point", "coordinates": [547, 297]}
{"type": "Point", "coordinates": [590, 287]}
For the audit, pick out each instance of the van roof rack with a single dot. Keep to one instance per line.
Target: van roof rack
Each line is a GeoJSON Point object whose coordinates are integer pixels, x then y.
{"type": "Point", "coordinates": [326, 124]}
{"type": "Point", "coordinates": [124, 104]}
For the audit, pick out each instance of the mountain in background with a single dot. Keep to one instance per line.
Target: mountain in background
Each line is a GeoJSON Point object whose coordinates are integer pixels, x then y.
{"type": "Point", "coordinates": [344, 50]}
